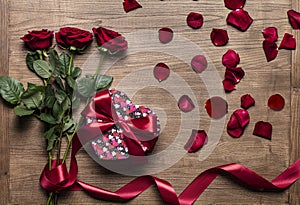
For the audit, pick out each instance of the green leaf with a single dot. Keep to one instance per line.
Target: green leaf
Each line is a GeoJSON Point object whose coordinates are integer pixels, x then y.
{"type": "Point", "coordinates": [42, 68]}
{"type": "Point", "coordinates": [76, 72]}
{"type": "Point", "coordinates": [55, 62]}
{"type": "Point", "coordinates": [48, 134]}
{"type": "Point", "coordinates": [49, 97]}
{"type": "Point", "coordinates": [65, 62]}
{"type": "Point", "coordinates": [59, 82]}
{"type": "Point", "coordinates": [60, 95]}
{"type": "Point", "coordinates": [71, 82]}
{"type": "Point", "coordinates": [56, 110]}
{"type": "Point", "coordinates": [59, 109]}
{"type": "Point", "coordinates": [22, 111]}
{"type": "Point", "coordinates": [85, 86]}
{"type": "Point", "coordinates": [75, 102]}
{"type": "Point", "coordinates": [33, 96]}
{"type": "Point", "coordinates": [103, 82]}
{"type": "Point", "coordinates": [51, 142]}
{"type": "Point", "coordinates": [11, 90]}
{"type": "Point", "coordinates": [45, 117]}
{"type": "Point", "coordinates": [69, 125]}
{"type": "Point", "coordinates": [66, 104]}
{"type": "Point", "coordinates": [30, 58]}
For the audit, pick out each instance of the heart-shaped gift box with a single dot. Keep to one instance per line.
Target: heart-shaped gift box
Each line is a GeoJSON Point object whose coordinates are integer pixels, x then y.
{"type": "Point", "coordinates": [116, 128]}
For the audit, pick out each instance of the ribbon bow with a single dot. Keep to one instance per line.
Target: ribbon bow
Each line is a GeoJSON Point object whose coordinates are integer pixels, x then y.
{"type": "Point", "coordinates": [139, 133]}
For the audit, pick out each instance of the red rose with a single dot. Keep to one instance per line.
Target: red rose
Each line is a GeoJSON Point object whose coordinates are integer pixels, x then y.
{"type": "Point", "coordinates": [109, 39]}
{"type": "Point", "coordinates": [38, 40]}
{"type": "Point", "coordinates": [70, 38]}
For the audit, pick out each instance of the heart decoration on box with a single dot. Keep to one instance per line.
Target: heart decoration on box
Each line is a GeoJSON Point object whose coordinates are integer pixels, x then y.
{"type": "Point", "coordinates": [116, 128]}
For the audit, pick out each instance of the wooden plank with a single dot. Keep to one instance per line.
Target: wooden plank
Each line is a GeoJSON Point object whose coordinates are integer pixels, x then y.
{"type": "Point", "coordinates": [263, 79]}
{"type": "Point", "coordinates": [4, 142]}
{"type": "Point", "coordinates": [295, 111]}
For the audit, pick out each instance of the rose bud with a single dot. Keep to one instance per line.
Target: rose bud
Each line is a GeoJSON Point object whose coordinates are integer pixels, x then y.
{"type": "Point", "coordinates": [38, 40]}
{"type": "Point", "coordinates": [73, 38]}
{"type": "Point", "coordinates": [110, 40]}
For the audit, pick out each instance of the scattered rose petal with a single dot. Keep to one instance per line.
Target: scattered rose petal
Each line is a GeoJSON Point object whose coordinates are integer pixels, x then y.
{"type": "Point", "coordinates": [234, 4]}
{"type": "Point", "coordinates": [165, 35]}
{"type": "Point", "coordinates": [270, 49]}
{"type": "Point", "coordinates": [233, 127]}
{"type": "Point", "coordinates": [216, 107]}
{"type": "Point", "coordinates": [263, 129]}
{"type": "Point", "coordinates": [194, 20]}
{"type": "Point", "coordinates": [219, 37]}
{"type": "Point", "coordinates": [234, 74]}
{"type": "Point", "coordinates": [186, 104]}
{"type": "Point", "coordinates": [228, 85]}
{"type": "Point", "coordinates": [161, 72]}
{"type": "Point", "coordinates": [237, 123]}
{"type": "Point", "coordinates": [239, 19]}
{"type": "Point", "coordinates": [130, 5]}
{"type": "Point", "coordinates": [288, 42]}
{"type": "Point", "coordinates": [276, 102]}
{"type": "Point", "coordinates": [270, 34]}
{"type": "Point", "coordinates": [199, 63]}
{"type": "Point", "coordinates": [230, 59]}
{"type": "Point", "coordinates": [294, 19]}
{"type": "Point", "coordinates": [247, 101]}
{"type": "Point", "coordinates": [197, 140]}
{"type": "Point", "coordinates": [243, 117]}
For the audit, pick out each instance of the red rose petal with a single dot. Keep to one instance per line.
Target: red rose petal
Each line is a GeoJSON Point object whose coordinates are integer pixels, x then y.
{"type": "Point", "coordinates": [219, 37]}
{"type": "Point", "coordinates": [130, 5]}
{"type": "Point", "coordinates": [186, 104]}
{"type": "Point", "coordinates": [161, 72]}
{"type": "Point", "coordinates": [194, 20]}
{"type": "Point", "coordinates": [165, 35]}
{"type": "Point", "coordinates": [247, 101]}
{"type": "Point", "coordinates": [239, 19]}
{"type": "Point", "coordinates": [230, 59]}
{"type": "Point", "coordinates": [234, 74]}
{"type": "Point", "coordinates": [236, 133]}
{"type": "Point", "coordinates": [233, 127]}
{"type": "Point", "coordinates": [234, 4]}
{"type": "Point", "coordinates": [294, 19]}
{"type": "Point", "coordinates": [288, 42]}
{"type": "Point", "coordinates": [270, 49]}
{"type": "Point", "coordinates": [276, 102]}
{"type": "Point", "coordinates": [216, 107]}
{"type": "Point", "coordinates": [243, 117]}
{"type": "Point", "coordinates": [197, 140]}
{"type": "Point", "coordinates": [199, 63]}
{"type": "Point", "coordinates": [237, 123]}
{"type": "Point", "coordinates": [233, 123]}
{"type": "Point", "coordinates": [270, 34]}
{"type": "Point", "coordinates": [228, 85]}
{"type": "Point", "coordinates": [263, 129]}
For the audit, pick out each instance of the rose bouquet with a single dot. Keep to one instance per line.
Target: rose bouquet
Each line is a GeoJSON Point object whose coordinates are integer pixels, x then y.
{"type": "Point", "coordinates": [53, 101]}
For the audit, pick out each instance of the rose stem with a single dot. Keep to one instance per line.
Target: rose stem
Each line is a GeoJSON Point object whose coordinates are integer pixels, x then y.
{"type": "Point", "coordinates": [71, 62]}
{"type": "Point", "coordinates": [103, 54]}
{"type": "Point", "coordinates": [69, 145]}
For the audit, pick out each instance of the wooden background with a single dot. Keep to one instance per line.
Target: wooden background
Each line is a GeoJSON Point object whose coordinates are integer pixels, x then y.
{"type": "Point", "coordinates": [22, 155]}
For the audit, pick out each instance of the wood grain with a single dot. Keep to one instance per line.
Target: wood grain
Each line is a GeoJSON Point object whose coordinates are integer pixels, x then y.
{"type": "Point", "coordinates": [4, 141]}
{"type": "Point", "coordinates": [268, 158]}
{"type": "Point", "coordinates": [295, 112]}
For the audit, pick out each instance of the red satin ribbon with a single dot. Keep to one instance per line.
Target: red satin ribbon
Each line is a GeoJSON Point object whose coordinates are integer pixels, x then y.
{"type": "Point", "coordinates": [138, 133]}
{"type": "Point", "coordinates": [59, 179]}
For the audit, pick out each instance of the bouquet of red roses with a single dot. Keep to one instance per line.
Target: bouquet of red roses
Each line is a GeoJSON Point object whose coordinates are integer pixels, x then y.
{"type": "Point", "coordinates": [53, 100]}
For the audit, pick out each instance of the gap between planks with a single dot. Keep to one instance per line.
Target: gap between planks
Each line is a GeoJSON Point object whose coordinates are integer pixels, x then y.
{"type": "Point", "coordinates": [4, 142]}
